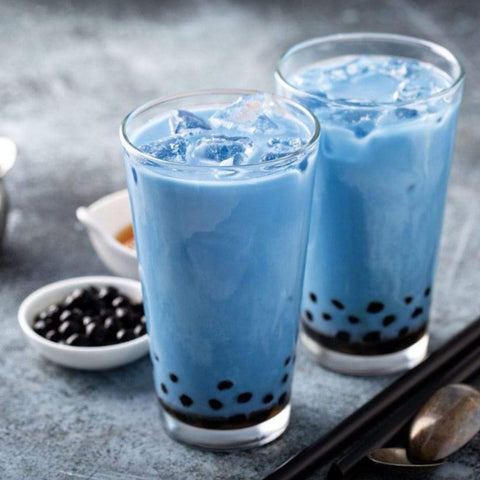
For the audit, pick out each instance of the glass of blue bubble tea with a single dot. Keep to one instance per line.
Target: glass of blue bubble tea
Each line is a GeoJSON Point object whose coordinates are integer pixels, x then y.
{"type": "Point", "coordinates": [388, 107]}
{"type": "Point", "coordinates": [221, 186]}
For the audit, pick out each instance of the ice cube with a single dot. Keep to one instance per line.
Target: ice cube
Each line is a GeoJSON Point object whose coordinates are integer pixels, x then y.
{"type": "Point", "coordinates": [222, 150]}
{"type": "Point", "coordinates": [250, 114]}
{"type": "Point", "coordinates": [281, 147]}
{"type": "Point", "coordinates": [404, 113]}
{"type": "Point", "coordinates": [395, 67]}
{"type": "Point", "coordinates": [170, 148]}
{"type": "Point", "coordinates": [183, 121]}
{"type": "Point", "coordinates": [360, 121]}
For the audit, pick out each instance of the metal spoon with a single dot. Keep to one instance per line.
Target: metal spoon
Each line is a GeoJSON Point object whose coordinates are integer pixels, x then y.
{"type": "Point", "coordinates": [447, 422]}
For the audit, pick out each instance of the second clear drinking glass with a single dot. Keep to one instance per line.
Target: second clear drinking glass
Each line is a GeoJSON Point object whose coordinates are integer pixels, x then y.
{"type": "Point", "coordinates": [388, 106]}
{"type": "Point", "coordinates": [221, 192]}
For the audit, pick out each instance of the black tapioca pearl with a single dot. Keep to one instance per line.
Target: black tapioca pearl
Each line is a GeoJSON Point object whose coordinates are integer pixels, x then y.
{"type": "Point", "coordinates": [309, 315]}
{"type": "Point", "coordinates": [186, 400]}
{"type": "Point", "coordinates": [267, 398]}
{"type": "Point", "coordinates": [225, 385]}
{"type": "Point", "coordinates": [375, 307]}
{"type": "Point", "coordinates": [107, 294]}
{"type": "Point", "coordinates": [408, 300]}
{"type": "Point", "coordinates": [427, 291]}
{"type": "Point", "coordinates": [353, 319]}
{"type": "Point", "coordinates": [403, 331]}
{"type": "Point", "coordinates": [285, 378]}
{"type": "Point", "coordinates": [215, 404]}
{"type": "Point", "coordinates": [40, 327]}
{"type": "Point", "coordinates": [120, 301]}
{"type": "Point", "coordinates": [418, 311]}
{"type": "Point", "coordinates": [326, 316]}
{"type": "Point", "coordinates": [372, 337]}
{"type": "Point", "coordinates": [388, 320]}
{"type": "Point", "coordinates": [93, 290]}
{"type": "Point", "coordinates": [313, 297]}
{"type": "Point", "coordinates": [173, 377]}
{"type": "Point", "coordinates": [164, 388]}
{"type": "Point", "coordinates": [111, 326]}
{"type": "Point", "coordinates": [52, 335]}
{"type": "Point", "coordinates": [53, 311]}
{"type": "Point", "coordinates": [287, 360]}
{"type": "Point", "coordinates": [68, 328]}
{"type": "Point", "coordinates": [244, 397]}
{"type": "Point", "coordinates": [125, 335]}
{"type": "Point", "coordinates": [139, 330]}
{"type": "Point", "coordinates": [282, 399]}
{"type": "Point", "coordinates": [343, 336]}
{"type": "Point", "coordinates": [238, 418]}
{"type": "Point", "coordinates": [338, 304]}
{"type": "Point", "coordinates": [86, 320]}
{"type": "Point", "coordinates": [95, 333]}
{"type": "Point", "coordinates": [71, 302]}
{"type": "Point", "coordinates": [77, 340]}
{"type": "Point", "coordinates": [66, 315]}
{"type": "Point", "coordinates": [42, 315]}
{"type": "Point", "coordinates": [124, 316]}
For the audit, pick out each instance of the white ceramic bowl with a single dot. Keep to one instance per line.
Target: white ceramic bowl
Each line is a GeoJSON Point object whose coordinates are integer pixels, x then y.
{"type": "Point", "coordinates": [83, 358]}
{"type": "Point", "coordinates": [111, 214]}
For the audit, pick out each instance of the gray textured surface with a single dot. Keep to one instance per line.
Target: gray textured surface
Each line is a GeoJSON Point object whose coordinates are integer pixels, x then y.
{"type": "Point", "coordinates": [69, 72]}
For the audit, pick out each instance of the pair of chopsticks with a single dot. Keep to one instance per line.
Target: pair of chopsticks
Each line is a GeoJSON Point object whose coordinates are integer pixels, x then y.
{"type": "Point", "coordinates": [380, 419]}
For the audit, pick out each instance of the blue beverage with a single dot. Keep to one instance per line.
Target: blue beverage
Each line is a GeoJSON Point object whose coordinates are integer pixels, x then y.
{"type": "Point", "coordinates": [387, 141]}
{"type": "Point", "coordinates": [221, 197]}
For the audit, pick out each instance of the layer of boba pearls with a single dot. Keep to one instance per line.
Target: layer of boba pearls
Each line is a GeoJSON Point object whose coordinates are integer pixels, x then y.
{"type": "Point", "coordinates": [374, 327]}
{"type": "Point", "coordinates": [250, 406]}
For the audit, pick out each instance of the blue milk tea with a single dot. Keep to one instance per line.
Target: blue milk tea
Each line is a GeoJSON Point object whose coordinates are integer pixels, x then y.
{"type": "Point", "coordinates": [221, 207]}
{"type": "Point", "coordinates": [385, 157]}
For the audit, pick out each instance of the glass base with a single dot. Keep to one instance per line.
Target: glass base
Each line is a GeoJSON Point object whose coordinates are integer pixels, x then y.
{"type": "Point", "coordinates": [366, 364]}
{"type": "Point", "coordinates": [239, 438]}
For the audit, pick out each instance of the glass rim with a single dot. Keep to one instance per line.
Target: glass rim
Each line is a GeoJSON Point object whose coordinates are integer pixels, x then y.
{"type": "Point", "coordinates": [131, 147]}
{"type": "Point", "coordinates": [436, 48]}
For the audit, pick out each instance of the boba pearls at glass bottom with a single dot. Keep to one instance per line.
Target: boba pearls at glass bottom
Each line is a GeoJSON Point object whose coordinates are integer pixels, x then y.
{"type": "Point", "coordinates": [379, 326]}
{"type": "Point", "coordinates": [228, 405]}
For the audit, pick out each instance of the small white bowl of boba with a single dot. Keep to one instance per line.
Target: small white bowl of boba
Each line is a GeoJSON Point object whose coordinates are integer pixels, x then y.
{"type": "Point", "coordinates": [86, 323]}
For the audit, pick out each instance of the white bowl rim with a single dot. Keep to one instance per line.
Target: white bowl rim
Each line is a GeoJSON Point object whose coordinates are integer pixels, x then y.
{"type": "Point", "coordinates": [100, 203]}
{"type": "Point", "coordinates": [74, 283]}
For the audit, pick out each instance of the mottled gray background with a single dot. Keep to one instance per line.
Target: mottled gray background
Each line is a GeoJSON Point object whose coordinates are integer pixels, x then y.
{"type": "Point", "coordinates": [69, 71]}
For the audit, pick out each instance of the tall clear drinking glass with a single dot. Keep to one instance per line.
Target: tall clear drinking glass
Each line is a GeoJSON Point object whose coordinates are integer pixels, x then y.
{"type": "Point", "coordinates": [221, 249]}
{"type": "Point", "coordinates": [388, 106]}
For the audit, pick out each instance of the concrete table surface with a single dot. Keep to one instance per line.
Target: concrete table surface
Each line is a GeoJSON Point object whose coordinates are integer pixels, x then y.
{"type": "Point", "coordinates": [69, 71]}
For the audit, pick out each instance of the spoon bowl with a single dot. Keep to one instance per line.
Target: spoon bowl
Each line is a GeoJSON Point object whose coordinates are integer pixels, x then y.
{"type": "Point", "coordinates": [398, 457]}
{"type": "Point", "coordinates": [447, 422]}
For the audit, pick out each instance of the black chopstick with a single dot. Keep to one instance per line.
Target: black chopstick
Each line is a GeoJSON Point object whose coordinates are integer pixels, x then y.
{"type": "Point", "coordinates": [324, 449]}
{"type": "Point", "coordinates": [380, 434]}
